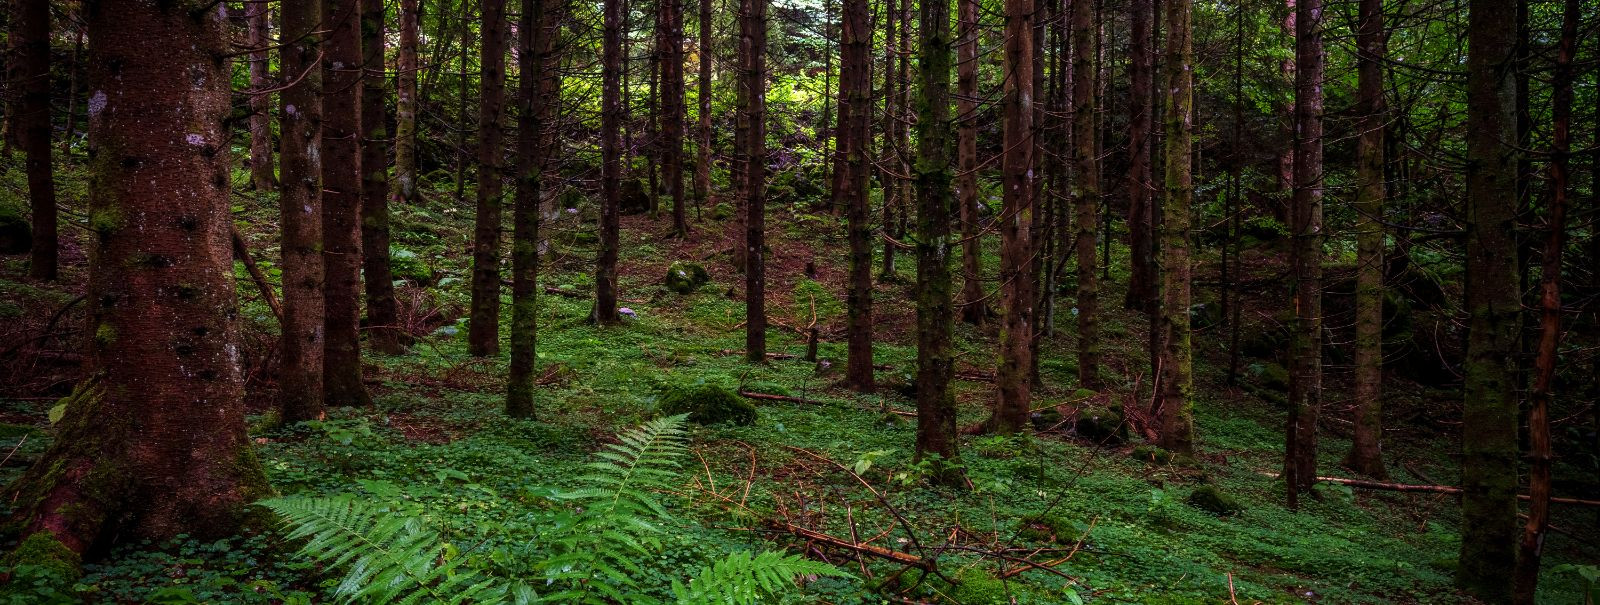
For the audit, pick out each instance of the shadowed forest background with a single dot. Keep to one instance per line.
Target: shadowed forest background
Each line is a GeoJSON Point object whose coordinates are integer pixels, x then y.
{"type": "Point", "coordinates": [800, 301]}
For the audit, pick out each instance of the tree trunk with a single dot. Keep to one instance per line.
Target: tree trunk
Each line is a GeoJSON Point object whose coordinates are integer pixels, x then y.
{"type": "Point", "coordinates": [33, 120]}
{"type": "Point", "coordinates": [702, 165]}
{"type": "Point", "coordinates": [1141, 186]}
{"type": "Point", "coordinates": [405, 106]}
{"type": "Point", "coordinates": [483, 337]}
{"type": "Point", "coordinates": [974, 307]}
{"type": "Point", "coordinates": [1305, 347]}
{"type": "Point", "coordinates": [300, 207]}
{"type": "Point", "coordinates": [741, 131]}
{"type": "Point", "coordinates": [669, 48]}
{"type": "Point", "coordinates": [1086, 196]}
{"type": "Point", "coordinates": [153, 444]}
{"type": "Point", "coordinates": [1016, 217]}
{"type": "Point", "coordinates": [261, 169]}
{"type": "Point", "coordinates": [341, 204]}
{"type": "Point", "coordinates": [754, 32]}
{"type": "Point", "coordinates": [1366, 453]}
{"type": "Point", "coordinates": [533, 41]}
{"type": "Point", "coordinates": [936, 405]}
{"type": "Point", "coordinates": [1489, 416]}
{"type": "Point", "coordinates": [1177, 359]}
{"type": "Point", "coordinates": [855, 88]}
{"type": "Point", "coordinates": [1539, 451]}
{"type": "Point", "coordinates": [605, 273]}
{"type": "Point", "coordinates": [887, 160]}
{"type": "Point", "coordinates": [383, 315]}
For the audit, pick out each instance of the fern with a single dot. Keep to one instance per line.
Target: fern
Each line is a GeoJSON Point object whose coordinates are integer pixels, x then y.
{"type": "Point", "coordinates": [392, 558]}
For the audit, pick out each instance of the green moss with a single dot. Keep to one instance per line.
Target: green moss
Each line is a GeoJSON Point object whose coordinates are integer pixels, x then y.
{"type": "Point", "coordinates": [1209, 498]}
{"type": "Point", "coordinates": [706, 404]}
{"type": "Point", "coordinates": [1101, 424]}
{"type": "Point", "coordinates": [684, 277]}
{"type": "Point", "coordinates": [1049, 528]}
{"type": "Point", "coordinates": [43, 550]}
{"type": "Point", "coordinates": [1151, 454]}
{"type": "Point", "coordinates": [105, 220]}
{"type": "Point", "coordinates": [104, 335]}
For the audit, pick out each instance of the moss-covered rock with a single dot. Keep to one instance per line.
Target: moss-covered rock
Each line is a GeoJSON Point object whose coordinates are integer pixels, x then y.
{"type": "Point", "coordinates": [706, 404]}
{"type": "Point", "coordinates": [1209, 498]}
{"type": "Point", "coordinates": [1050, 528]}
{"type": "Point", "coordinates": [684, 277]}
{"type": "Point", "coordinates": [1270, 375]}
{"type": "Point", "coordinates": [1046, 419]}
{"type": "Point", "coordinates": [1151, 454]}
{"type": "Point", "coordinates": [633, 198]}
{"type": "Point", "coordinates": [16, 237]}
{"type": "Point", "coordinates": [42, 550]}
{"type": "Point", "coordinates": [1102, 424]}
{"type": "Point", "coordinates": [1204, 316]}
{"type": "Point", "coordinates": [720, 212]}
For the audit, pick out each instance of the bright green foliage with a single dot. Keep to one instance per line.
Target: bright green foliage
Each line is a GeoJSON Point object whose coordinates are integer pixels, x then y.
{"type": "Point", "coordinates": [742, 578]}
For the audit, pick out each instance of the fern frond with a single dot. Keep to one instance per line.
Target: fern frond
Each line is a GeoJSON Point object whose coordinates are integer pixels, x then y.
{"type": "Point", "coordinates": [645, 458]}
{"type": "Point", "coordinates": [740, 578]}
{"type": "Point", "coordinates": [388, 558]}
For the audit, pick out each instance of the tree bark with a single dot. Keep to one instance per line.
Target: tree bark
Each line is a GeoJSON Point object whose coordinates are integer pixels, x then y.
{"type": "Point", "coordinates": [936, 405]}
{"type": "Point", "coordinates": [1366, 448]}
{"type": "Point", "coordinates": [383, 315]}
{"type": "Point", "coordinates": [341, 205]}
{"type": "Point", "coordinates": [1010, 413]}
{"type": "Point", "coordinates": [855, 88]}
{"type": "Point", "coordinates": [300, 214]}
{"type": "Point", "coordinates": [1305, 346]}
{"type": "Point", "coordinates": [261, 168]}
{"type": "Point", "coordinates": [702, 165]}
{"type": "Point", "coordinates": [1176, 381]}
{"type": "Point", "coordinates": [669, 49]}
{"type": "Point", "coordinates": [533, 41]}
{"type": "Point", "coordinates": [974, 306]}
{"type": "Point", "coordinates": [1489, 417]}
{"type": "Point", "coordinates": [405, 105]}
{"type": "Point", "coordinates": [605, 274]}
{"type": "Point", "coordinates": [754, 32]}
{"type": "Point", "coordinates": [153, 444]}
{"type": "Point", "coordinates": [483, 334]}
{"type": "Point", "coordinates": [33, 120]}
{"type": "Point", "coordinates": [1086, 196]}
{"type": "Point", "coordinates": [1141, 186]}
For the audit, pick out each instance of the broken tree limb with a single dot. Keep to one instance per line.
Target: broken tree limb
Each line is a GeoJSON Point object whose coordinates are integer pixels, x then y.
{"type": "Point", "coordinates": [866, 549]}
{"type": "Point", "coordinates": [241, 251]}
{"type": "Point", "coordinates": [1434, 489]}
{"type": "Point", "coordinates": [790, 399]}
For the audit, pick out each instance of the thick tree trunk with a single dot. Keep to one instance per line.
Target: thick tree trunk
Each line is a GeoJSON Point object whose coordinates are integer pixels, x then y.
{"type": "Point", "coordinates": [1176, 380]}
{"type": "Point", "coordinates": [887, 160]}
{"type": "Point", "coordinates": [483, 333]}
{"type": "Point", "coordinates": [1016, 218]}
{"type": "Point", "coordinates": [33, 120]}
{"type": "Point", "coordinates": [1305, 346]}
{"type": "Point", "coordinates": [1489, 416]}
{"type": "Point", "coordinates": [605, 273]}
{"type": "Point", "coordinates": [1366, 448]}
{"type": "Point", "coordinates": [405, 106]}
{"type": "Point", "coordinates": [383, 315]}
{"type": "Point", "coordinates": [936, 405]}
{"type": "Point", "coordinates": [1539, 451]}
{"type": "Point", "coordinates": [974, 307]}
{"type": "Point", "coordinates": [1141, 186]}
{"type": "Point", "coordinates": [341, 204]}
{"type": "Point", "coordinates": [702, 165]}
{"type": "Point", "coordinates": [1086, 194]}
{"type": "Point", "coordinates": [153, 444]}
{"type": "Point", "coordinates": [855, 88]}
{"type": "Point", "coordinates": [533, 42]}
{"type": "Point", "coordinates": [261, 169]}
{"type": "Point", "coordinates": [669, 49]}
{"type": "Point", "coordinates": [300, 207]}
{"type": "Point", "coordinates": [754, 32]}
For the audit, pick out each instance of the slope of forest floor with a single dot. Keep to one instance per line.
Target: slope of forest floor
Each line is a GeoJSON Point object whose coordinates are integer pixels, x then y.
{"type": "Point", "coordinates": [1113, 521]}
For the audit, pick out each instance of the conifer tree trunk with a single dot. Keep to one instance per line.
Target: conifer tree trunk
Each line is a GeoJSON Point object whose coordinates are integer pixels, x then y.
{"type": "Point", "coordinates": [1086, 196]}
{"type": "Point", "coordinates": [1539, 450]}
{"type": "Point", "coordinates": [483, 333]}
{"type": "Point", "coordinates": [936, 406]}
{"type": "Point", "coordinates": [383, 314]}
{"type": "Point", "coordinates": [754, 31]}
{"type": "Point", "coordinates": [887, 158]}
{"type": "Point", "coordinates": [405, 106]}
{"type": "Point", "coordinates": [33, 120]}
{"type": "Point", "coordinates": [341, 204]}
{"type": "Point", "coordinates": [605, 274]}
{"type": "Point", "coordinates": [974, 307]}
{"type": "Point", "coordinates": [261, 170]}
{"type": "Point", "coordinates": [702, 165]}
{"type": "Point", "coordinates": [533, 42]}
{"type": "Point", "coordinates": [300, 214]}
{"type": "Point", "coordinates": [1489, 415]}
{"type": "Point", "coordinates": [669, 45]}
{"type": "Point", "coordinates": [1141, 187]}
{"type": "Point", "coordinates": [153, 444]}
{"type": "Point", "coordinates": [1176, 381]}
{"type": "Point", "coordinates": [741, 132]}
{"type": "Point", "coordinates": [855, 88]}
{"type": "Point", "coordinates": [1366, 448]}
{"type": "Point", "coordinates": [1016, 218]}
{"type": "Point", "coordinates": [1305, 346]}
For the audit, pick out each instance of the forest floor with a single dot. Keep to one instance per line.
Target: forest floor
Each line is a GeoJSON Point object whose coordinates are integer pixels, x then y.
{"type": "Point", "coordinates": [1105, 521]}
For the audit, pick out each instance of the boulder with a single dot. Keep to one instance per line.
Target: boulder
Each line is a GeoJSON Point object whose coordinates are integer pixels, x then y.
{"type": "Point", "coordinates": [684, 277]}
{"type": "Point", "coordinates": [706, 404]}
{"type": "Point", "coordinates": [633, 198]}
{"type": "Point", "coordinates": [1210, 499]}
{"type": "Point", "coordinates": [1102, 424]}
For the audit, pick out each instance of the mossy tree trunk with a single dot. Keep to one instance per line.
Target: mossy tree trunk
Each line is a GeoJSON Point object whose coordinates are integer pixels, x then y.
{"type": "Point", "coordinates": [1366, 448]}
{"type": "Point", "coordinates": [405, 105]}
{"type": "Point", "coordinates": [1141, 94]}
{"type": "Point", "coordinates": [258, 20]}
{"type": "Point", "coordinates": [705, 52]}
{"type": "Point", "coordinates": [383, 315]}
{"type": "Point", "coordinates": [1177, 359]}
{"type": "Point", "coordinates": [1016, 218]}
{"type": "Point", "coordinates": [1086, 194]}
{"type": "Point", "coordinates": [483, 330]}
{"type": "Point", "coordinates": [300, 214]}
{"type": "Point", "coordinates": [974, 306]}
{"type": "Point", "coordinates": [341, 204]}
{"type": "Point", "coordinates": [888, 161]}
{"type": "Point", "coordinates": [605, 274]}
{"type": "Point", "coordinates": [753, 31]}
{"type": "Point", "coordinates": [669, 44]}
{"type": "Point", "coordinates": [33, 118]}
{"type": "Point", "coordinates": [1305, 346]}
{"type": "Point", "coordinates": [534, 46]}
{"type": "Point", "coordinates": [153, 445]}
{"type": "Point", "coordinates": [1489, 415]}
{"type": "Point", "coordinates": [936, 405]}
{"type": "Point", "coordinates": [855, 87]}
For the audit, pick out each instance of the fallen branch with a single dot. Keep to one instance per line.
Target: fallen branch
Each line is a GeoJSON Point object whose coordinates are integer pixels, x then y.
{"type": "Point", "coordinates": [790, 399]}
{"type": "Point", "coordinates": [241, 251]}
{"type": "Point", "coordinates": [1433, 489]}
{"type": "Point", "coordinates": [866, 549]}
{"type": "Point", "coordinates": [567, 293]}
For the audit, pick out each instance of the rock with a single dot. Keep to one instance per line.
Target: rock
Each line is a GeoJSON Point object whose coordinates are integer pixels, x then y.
{"type": "Point", "coordinates": [720, 212]}
{"type": "Point", "coordinates": [706, 404]}
{"type": "Point", "coordinates": [1270, 375]}
{"type": "Point", "coordinates": [1151, 454]}
{"type": "Point", "coordinates": [1046, 419]}
{"type": "Point", "coordinates": [1101, 424]}
{"type": "Point", "coordinates": [1204, 316]}
{"type": "Point", "coordinates": [16, 236]}
{"type": "Point", "coordinates": [684, 278]}
{"type": "Point", "coordinates": [634, 199]}
{"type": "Point", "coordinates": [1209, 498]}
